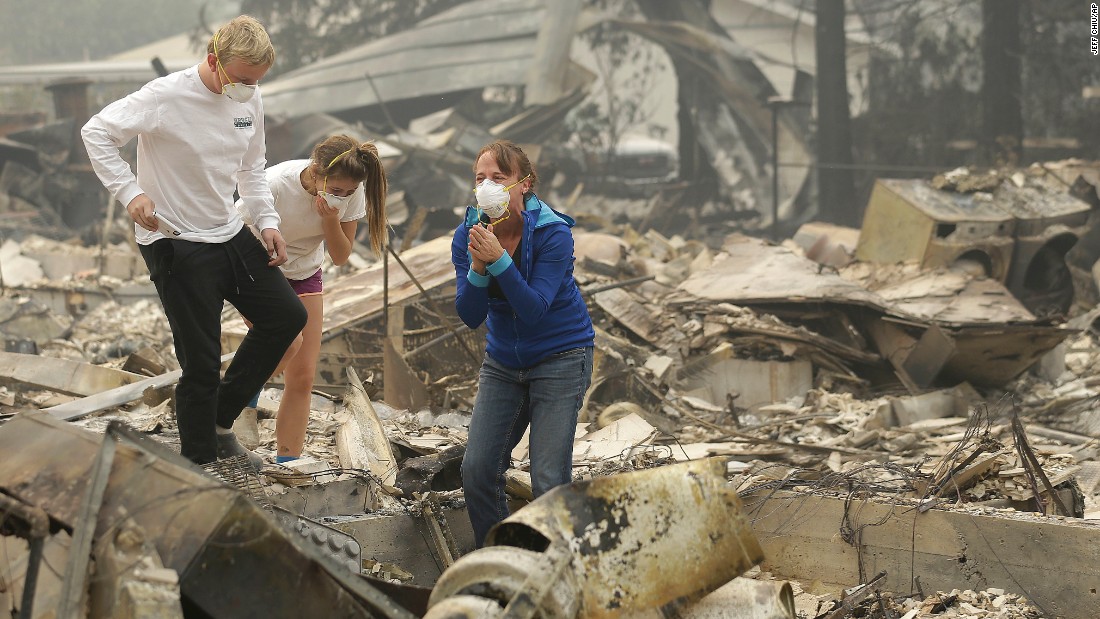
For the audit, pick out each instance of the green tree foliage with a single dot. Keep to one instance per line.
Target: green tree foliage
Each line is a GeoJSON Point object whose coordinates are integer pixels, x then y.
{"type": "Point", "coordinates": [42, 31]}
{"type": "Point", "coordinates": [305, 31]}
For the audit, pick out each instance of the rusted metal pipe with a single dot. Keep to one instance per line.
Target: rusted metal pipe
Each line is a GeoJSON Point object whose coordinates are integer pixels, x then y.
{"type": "Point", "coordinates": [30, 578]}
{"type": "Point", "coordinates": [33, 524]}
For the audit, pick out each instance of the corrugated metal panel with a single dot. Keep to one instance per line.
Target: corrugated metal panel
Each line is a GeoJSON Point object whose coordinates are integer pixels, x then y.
{"type": "Point", "coordinates": [97, 71]}
{"type": "Point", "coordinates": [478, 44]}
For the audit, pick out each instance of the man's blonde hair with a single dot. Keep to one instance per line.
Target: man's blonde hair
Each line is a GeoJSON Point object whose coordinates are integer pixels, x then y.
{"type": "Point", "coordinates": [245, 39]}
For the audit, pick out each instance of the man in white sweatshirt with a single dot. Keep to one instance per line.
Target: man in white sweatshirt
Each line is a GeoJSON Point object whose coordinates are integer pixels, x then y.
{"type": "Point", "coordinates": [200, 136]}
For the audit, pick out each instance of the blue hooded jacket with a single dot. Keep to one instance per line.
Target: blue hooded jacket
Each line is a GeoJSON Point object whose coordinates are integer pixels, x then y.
{"type": "Point", "coordinates": [542, 312]}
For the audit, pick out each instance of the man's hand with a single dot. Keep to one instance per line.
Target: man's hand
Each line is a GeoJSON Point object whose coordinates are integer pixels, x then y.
{"type": "Point", "coordinates": [141, 210]}
{"type": "Point", "coordinates": [276, 246]}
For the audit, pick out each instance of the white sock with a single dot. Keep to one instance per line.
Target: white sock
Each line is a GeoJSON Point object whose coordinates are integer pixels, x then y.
{"type": "Point", "coordinates": [221, 430]}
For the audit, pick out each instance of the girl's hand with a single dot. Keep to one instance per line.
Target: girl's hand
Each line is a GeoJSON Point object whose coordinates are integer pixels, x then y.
{"type": "Point", "coordinates": [323, 209]}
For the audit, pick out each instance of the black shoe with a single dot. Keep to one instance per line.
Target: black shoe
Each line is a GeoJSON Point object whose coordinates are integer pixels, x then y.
{"type": "Point", "coordinates": [229, 447]}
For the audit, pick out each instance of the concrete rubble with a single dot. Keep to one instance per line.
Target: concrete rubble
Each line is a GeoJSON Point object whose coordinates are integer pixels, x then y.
{"type": "Point", "coordinates": [747, 354]}
{"type": "Point", "coordinates": [823, 376]}
{"type": "Point", "coordinates": [901, 420]}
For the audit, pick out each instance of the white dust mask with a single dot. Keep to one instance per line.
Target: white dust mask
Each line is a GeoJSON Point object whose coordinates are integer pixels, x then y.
{"type": "Point", "coordinates": [492, 198]}
{"type": "Point", "coordinates": [239, 92]}
{"type": "Point", "coordinates": [332, 200]}
{"type": "Point", "coordinates": [234, 90]}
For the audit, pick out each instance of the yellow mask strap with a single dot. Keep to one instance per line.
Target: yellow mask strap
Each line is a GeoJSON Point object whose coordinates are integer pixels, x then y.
{"type": "Point", "coordinates": [218, 60]}
{"type": "Point", "coordinates": [324, 183]}
{"type": "Point", "coordinates": [481, 211]}
{"type": "Point", "coordinates": [337, 158]}
{"type": "Point", "coordinates": [509, 187]}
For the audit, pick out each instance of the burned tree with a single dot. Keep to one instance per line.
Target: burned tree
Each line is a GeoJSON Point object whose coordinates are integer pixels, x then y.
{"type": "Point", "coordinates": [836, 189]}
{"type": "Point", "coordinates": [1002, 117]}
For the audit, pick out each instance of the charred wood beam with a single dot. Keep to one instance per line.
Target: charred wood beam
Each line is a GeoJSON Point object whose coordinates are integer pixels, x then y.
{"type": "Point", "coordinates": [848, 604]}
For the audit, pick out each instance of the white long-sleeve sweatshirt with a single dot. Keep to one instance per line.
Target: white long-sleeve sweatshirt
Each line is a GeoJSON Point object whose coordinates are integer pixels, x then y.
{"type": "Point", "coordinates": [194, 148]}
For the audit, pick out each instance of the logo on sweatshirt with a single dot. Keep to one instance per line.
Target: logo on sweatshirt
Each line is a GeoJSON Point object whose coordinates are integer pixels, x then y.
{"type": "Point", "coordinates": [242, 122]}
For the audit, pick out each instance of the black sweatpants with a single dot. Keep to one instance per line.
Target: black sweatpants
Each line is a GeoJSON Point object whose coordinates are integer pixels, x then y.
{"type": "Point", "coordinates": [193, 280]}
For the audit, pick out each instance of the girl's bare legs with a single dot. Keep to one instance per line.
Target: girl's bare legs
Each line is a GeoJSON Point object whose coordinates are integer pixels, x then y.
{"type": "Point", "coordinates": [295, 346]}
{"type": "Point", "coordinates": [300, 368]}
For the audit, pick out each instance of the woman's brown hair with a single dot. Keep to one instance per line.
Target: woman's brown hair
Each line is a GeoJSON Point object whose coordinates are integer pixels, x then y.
{"type": "Point", "coordinates": [511, 159]}
{"type": "Point", "coordinates": [342, 156]}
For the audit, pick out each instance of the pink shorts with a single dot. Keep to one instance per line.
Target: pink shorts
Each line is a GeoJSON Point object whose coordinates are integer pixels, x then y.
{"type": "Point", "coordinates": [308, 286]}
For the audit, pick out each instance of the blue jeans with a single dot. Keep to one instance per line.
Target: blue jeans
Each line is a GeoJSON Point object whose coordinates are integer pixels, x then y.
{"type": "Point", "coordinates": [547, 396]}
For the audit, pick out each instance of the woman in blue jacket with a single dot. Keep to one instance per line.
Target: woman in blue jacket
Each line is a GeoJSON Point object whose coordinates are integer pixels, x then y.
{"type": "Point", "coordinates": [513, 258]}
